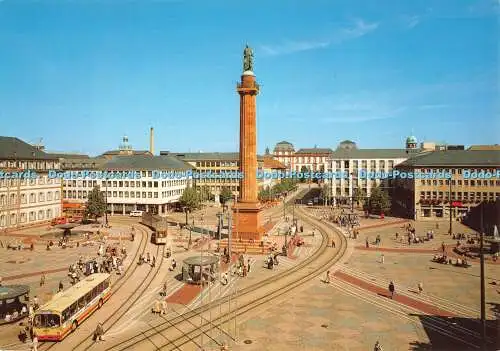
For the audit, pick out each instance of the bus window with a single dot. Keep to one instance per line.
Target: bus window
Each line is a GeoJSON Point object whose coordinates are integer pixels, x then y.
{"type": "Point", "coordinates": [81, 303]}
{"type": "Point", "coordinates": [88, 297]}
{"type": "Point", "coordinates": [47, 321]}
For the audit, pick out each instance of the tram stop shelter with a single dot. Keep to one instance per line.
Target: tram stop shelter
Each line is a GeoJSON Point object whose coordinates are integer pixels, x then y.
{"type": "Point", "coordinates": [12, 300]}
{"type": "Point", "coordinates": [200, 269]}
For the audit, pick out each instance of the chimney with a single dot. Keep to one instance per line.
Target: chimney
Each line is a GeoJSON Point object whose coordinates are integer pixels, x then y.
{"type": "Point", "coordinates": [151, 141]}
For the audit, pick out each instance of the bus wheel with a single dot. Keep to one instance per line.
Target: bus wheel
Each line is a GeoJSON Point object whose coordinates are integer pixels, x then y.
{"type": "Point", "coordinates": [100, 303]}
{"type": "Point", "coordinates": [74, 326]}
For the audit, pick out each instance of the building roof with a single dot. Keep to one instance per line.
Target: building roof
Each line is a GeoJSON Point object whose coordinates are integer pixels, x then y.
{"type": "Point", "coordinates": [14, 148]}
{"type": "Point", "coordinates": [314, 150]}
{"type": "Point", "coordinates": [209, 156]}
{"type": "Point", "coordinates": [12, 291]}
{"type": "Point", "coordinates": [411, 140]}
{"type": "Point", "coordinates": [83, 163]}
{"type": "Point", "coordinates": [457, 158]}
{"type": "Point", "coordinates": [484, 147]}
{"type": "Point", "coordinates": [145, 162]}
{"type": "Point", "coordinates": [283, 145]}
{"type": "Point", "coordinates": [360, 154]}
{"type": "Point", "coordinates": [271, 163]}
{"type": "Point", "coordinates": [126, 152]}
{"type": "Point", "coordinates": [69, 155]}
{"type": "Point", "coordinates": [200, 261]}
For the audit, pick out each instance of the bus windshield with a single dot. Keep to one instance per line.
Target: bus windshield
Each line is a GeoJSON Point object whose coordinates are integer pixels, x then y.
{"type": "Point", "coordinates": [47, 320]}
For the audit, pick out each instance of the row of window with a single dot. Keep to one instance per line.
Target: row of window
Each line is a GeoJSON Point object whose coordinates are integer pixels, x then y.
{"type": "Point", "coordinates": [26, 182]}
{"type": "Point", "coordinates": [25, 217]}
{"type": "Point", "coordinates": [458, 171]}
{"type": "Point", "coordinates": [460, 182]}
{"type": "Point", "coordinates": [208, 164]}
{"type": "Point", "coordinates": [69, 312]}
{"type": "Point", "coordinates": [124, 183]}
{"type": "Point", "coordinates": [23, 199]}
{"type": "Point", "coordinates": [73, 194]}
{"type": "Point", "coordinates": [459, 195]}
{"type": "Point", "coordinates": [34, 165]}
{"type": "Point", "coordinates": [363, 164]}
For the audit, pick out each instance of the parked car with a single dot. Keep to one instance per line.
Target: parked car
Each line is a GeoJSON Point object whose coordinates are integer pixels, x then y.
{"type": "Point", "coordinates": [136, 213]}
{"type": "Point", "coordinates": [310, 203]}
{"type": "Point", "coordinates": [59, 220]}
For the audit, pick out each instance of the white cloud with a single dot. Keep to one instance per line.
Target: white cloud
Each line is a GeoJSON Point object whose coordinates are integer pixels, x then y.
{"type": "Point", "coordinates": [412, 21]}
{"type": "Point", "coordinates": [358, 29]}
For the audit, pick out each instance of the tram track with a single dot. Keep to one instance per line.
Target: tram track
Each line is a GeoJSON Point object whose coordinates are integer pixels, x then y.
{"type": "Point", "coordinates": [115, 317]}
{"type": "Point", "coordinates": [122, 280]}
{"type": "Point", "coordinates": [249, 298]}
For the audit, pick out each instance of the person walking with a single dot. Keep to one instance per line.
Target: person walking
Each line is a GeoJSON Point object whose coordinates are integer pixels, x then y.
{"type": "Point", "coordinates": [420, 287]}
{"type": "Point", "coordinates": [148, 257]}
{"type": "Point", "coordinates": [382, 258]}
{"type": "Point", "coordinates": [99, 332]}
{"type": "Point", "coordinates": [61, 287]}
{"type": "Point", "coordinates": [164, 290]}
{"type": "Point", "coordinates": [391, 289]}
{"type": "Point", "coordinates": [443, 248]}
{"type": "Point", "coordinates": [248, 266]}
{"type": "Point", "coordinates": [366, 243]}
{"type": "Point", "coordinates": [42, 280]}
{"type": "Point", "coordinates": [34, 344]}
{"type": "Point", "coordinates": [327, 278]}
{"type": "Point", "coordinates": [333, 243]}
{"type": "Point", "coordinates": [164, 306]}
{"type": "Point", "coordinates": [153, 262]}
{"type": "Point", "coordinates": [377, 346]}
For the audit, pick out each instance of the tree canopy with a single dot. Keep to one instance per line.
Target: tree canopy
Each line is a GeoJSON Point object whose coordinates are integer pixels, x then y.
{"type": "Point", "coordinates": [379, 201]}
{"type": "Point", "coordinates": [190, 198]}
{"type": "Point", "coordinates": [96, 204]}
{"type": "Point", "coordinates": [225, 195]}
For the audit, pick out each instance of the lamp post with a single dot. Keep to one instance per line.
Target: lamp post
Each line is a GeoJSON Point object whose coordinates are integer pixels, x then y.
{"type": "Point", "coordinates": [106, 199]}
{"type": "Point", "coordinates": [451, 210]}
{"type": "Point", "coordinates": [483, 299]}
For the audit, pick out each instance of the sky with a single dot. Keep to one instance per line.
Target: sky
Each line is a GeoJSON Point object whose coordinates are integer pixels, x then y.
{"type": "Point", "coordinates": [82, 73]}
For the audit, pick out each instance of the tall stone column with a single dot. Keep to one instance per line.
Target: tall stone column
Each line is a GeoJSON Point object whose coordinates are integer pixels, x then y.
{"type": "Point", "coordinates": [246, 213]}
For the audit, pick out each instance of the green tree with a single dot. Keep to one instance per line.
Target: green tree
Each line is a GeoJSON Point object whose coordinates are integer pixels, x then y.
{"type": "Point", "coordinates": [265, 194]}
{"type": "Point", "coordinates": [225, 195]}
{"type": "Point", "coordinates": [304, 170]}
{"type": "Point", "coordinates": [379, 201]}
{"type": "Point", "coordinates": [205, 194]}
{"type": "Point", "coordinates": [359, 195]}
{"type": "Point", "coordinates": [190, 199]}
{"type": "Point", "coordinates": [96, 204]}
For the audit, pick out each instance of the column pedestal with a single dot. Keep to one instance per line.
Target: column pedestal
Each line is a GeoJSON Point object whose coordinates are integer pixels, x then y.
{"type": "Point", "coordinates": [247, 221]}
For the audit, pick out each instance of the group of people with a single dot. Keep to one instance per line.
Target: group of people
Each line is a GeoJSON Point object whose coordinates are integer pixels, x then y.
{"type": "Point", "coordinates": [151, 260]}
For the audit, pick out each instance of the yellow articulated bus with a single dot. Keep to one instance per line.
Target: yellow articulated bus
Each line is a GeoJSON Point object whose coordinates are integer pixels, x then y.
{"type": "Point", "coordinates": [69, 308]}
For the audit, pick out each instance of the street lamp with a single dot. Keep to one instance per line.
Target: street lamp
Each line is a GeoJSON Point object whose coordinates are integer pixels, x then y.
{"type": "Point", "coordinates": [106, 198]}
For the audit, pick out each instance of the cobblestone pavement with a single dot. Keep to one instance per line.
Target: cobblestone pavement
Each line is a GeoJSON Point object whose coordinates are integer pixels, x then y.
{"type": "Point", "coordinates": [342, 316]}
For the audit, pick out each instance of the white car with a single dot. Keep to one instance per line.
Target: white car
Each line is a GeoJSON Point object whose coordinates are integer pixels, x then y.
{"type": "Point", "coordinates": [310, 203]}
{"type": "Point", "coordinates": [135, 213]}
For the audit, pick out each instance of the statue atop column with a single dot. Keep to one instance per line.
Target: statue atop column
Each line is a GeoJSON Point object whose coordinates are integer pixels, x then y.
{"type": "Point", "coordinates": [247, 59]}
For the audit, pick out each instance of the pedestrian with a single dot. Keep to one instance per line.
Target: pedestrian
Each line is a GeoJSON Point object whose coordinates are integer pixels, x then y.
{"type": "Point", "coordinates": [42, 279]}
{"type": "Point", "coordinates": [99, 332]}
{"type": "Point", "coordinates": [391, 289]}
{"type": "Point", "coordinates": [164, 306]}
{"type": "Point", "coordinates": [327, 279]}
{"type": "Point", "coordinates": [244, 271]}
{"type": "Point", "coordinates": [420, 287]}
{"type": "Point", "coordinates": [164, 291]}
{"type": "Point", "coordinates": [333, 243]}
{"type": "Point", "coordinates": [34, 344]}
{"type": "Point", "coordinates": [157, 307]}
{"type": "Point", "coordinates": [35, 303]}
{"type": "Point", "coordinates": [153, 263]}
{"type": "Point", "coordinates": [382, 258]}
{"type": "Point", "coordinates": [248, 266]}
{"type": "Point", "coordinates": [366, 243]}
{"type": "Point", "coordinates": [443, 248]}
{"type": "Point", "coordinates": [224, 280]}
{"type": "Point", "coordinates": [377, 346]}
{"type": "Point", "coordinates": [22, 333]}
{"type": "Point", "coordinates": [61, 287]}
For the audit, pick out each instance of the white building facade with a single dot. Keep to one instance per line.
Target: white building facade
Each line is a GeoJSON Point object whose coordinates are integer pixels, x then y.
{"type": "Point", "coordinates": [157, 186]}
{"type": "Point", "coordinates": [28, 200]}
